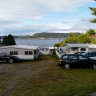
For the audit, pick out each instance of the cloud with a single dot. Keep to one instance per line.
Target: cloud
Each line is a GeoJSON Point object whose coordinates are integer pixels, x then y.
{"type": "Point", "coordinates": [34, 8]}
{"type": "Point", "coordinates": [15, 16]}
{"type": "Point", "coordinates": [4, 24]}
{"type": "Point", "coordinates": [74, 25]}
{"type": "Point", "coordinates": [7, 22]}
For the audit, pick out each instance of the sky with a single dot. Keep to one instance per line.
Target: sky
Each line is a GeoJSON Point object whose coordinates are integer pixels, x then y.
{"type": "Point", "coordinates": [27, 17]}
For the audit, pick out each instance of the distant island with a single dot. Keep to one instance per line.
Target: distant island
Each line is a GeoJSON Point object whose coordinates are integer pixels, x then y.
{"type": "Point", "coordinates": [46, 35]}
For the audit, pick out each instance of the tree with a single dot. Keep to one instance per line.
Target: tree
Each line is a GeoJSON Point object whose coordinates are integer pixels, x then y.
{"type": "Point", "coordinates": [94, 41]}
{"type": "Point", "coordinates": [90, 32]}
{"type": "Point", "coordinates": [5, 40]}
{"type": "Point", "coordinates": [83, 38]}
{"type": "Point", "coordinates": [93, 13]}
{"type": "Point", "coordinates": [9, 40]}
{"type": "Point", "coordinates": [72, 38]}
{"type": "Point", "coordinates": [56, 45]}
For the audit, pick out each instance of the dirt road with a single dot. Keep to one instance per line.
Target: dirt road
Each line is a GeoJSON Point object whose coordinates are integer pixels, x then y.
{"type": "Point", "coordinates": [12, 76]}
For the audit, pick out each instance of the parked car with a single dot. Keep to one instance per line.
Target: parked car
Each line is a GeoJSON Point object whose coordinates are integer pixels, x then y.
{"type": "Point", "coordinates": [76, 61]}
{"type": "Point", "coordinates": [4, 57]}
{"type": "Point", "coordinates": [90, 54]}
{"type": "Point", "coordinates": [79, 53]}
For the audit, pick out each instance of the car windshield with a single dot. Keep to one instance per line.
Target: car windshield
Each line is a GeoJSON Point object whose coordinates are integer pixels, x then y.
{"type": "Point", "coordinates": [3, 54]}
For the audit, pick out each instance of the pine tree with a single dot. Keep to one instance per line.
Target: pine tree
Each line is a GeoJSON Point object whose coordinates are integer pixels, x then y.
{"type": "Point", "coordinates": [93, 13]}
{"type": "Point", "coordinates": [5, 40]}
{"type": "Point", "coordinates": [9, 40]}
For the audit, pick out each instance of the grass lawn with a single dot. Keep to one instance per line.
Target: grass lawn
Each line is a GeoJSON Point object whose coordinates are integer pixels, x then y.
{"type": "Point", "coordinates": [44, 78]}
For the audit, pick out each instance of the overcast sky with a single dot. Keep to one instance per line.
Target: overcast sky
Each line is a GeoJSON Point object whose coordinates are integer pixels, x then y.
{"type": "Point", "coordinates": [26, 17]}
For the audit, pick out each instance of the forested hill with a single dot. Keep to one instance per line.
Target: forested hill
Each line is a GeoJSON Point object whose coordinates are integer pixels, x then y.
{"type": "Point", "coordinates": [51, 35]}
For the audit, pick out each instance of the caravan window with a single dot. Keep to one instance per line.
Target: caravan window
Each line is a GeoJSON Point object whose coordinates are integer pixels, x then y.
{"type": "Point", "coordinates": [26, 52]}
{"type": "Point", "coordinates": [83, 49]}
{"type": "Point", "coordinates": [30, 53]}
{"type": "Point", "coordinates": [13, 52]}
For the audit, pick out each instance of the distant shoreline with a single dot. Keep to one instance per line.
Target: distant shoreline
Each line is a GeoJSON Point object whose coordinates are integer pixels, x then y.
{"type": "Point", "coordinates": [40, 38]}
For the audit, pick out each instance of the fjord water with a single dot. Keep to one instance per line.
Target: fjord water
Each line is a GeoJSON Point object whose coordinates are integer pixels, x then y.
{"type": "Point", "coordinates": [38, 42]}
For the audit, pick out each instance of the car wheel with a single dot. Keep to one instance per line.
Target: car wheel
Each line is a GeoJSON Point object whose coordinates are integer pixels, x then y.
{"type": "Point", "coordinates": [11, 61]}
{"type": "Point", "coordinates": [67, 66]}
{"type": "Point", "coordinates": [94, 67]}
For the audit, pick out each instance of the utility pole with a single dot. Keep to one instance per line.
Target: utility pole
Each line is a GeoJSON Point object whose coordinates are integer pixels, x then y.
{"type": "Point", "coordinates": [59, 39]}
